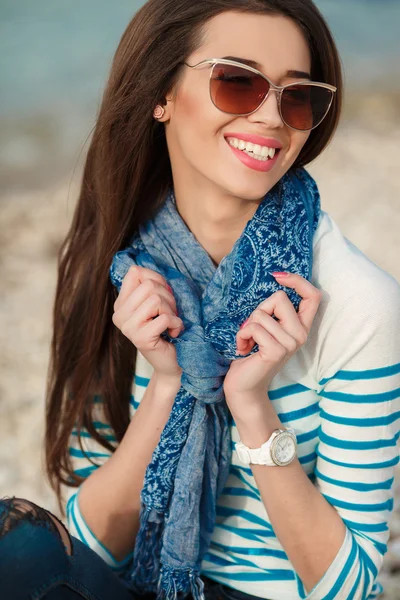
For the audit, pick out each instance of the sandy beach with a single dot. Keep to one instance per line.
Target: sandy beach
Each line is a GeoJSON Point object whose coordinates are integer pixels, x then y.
{"type": "Point", "coordinates": [360, 188]}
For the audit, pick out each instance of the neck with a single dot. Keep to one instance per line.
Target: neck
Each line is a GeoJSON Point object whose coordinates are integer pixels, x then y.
{"type": "Point", "coordinates": [216, 220]}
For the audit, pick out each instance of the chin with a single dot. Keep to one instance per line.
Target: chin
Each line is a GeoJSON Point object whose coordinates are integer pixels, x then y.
{"type": "Point", "coordinates": [251, 190]}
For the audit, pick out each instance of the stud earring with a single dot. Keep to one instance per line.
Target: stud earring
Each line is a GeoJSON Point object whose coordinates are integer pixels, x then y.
{"type": "Point", "coordinates": [158, 112]}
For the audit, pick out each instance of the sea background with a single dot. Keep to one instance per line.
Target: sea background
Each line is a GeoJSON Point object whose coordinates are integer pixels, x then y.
{"type": "Point", "coordinates": [55, 56]}
{"type": "Point", "coordinates": [54, 60]}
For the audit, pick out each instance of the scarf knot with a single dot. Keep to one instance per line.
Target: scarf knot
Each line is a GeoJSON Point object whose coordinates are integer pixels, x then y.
{"type": "Point", "coordinates": [204, 370]}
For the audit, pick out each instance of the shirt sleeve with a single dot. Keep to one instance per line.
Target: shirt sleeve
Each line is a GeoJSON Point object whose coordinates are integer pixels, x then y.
{"type": "Point", "coordinates": [93, 456]}
{"type": "Point", "coordinates": [82, 461]}
{"type": "Point", "coordinates": [359, 427]}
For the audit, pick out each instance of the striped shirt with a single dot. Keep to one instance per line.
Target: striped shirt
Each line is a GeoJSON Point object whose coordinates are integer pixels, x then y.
{"type": "Point", "coordinates": [340, 392]}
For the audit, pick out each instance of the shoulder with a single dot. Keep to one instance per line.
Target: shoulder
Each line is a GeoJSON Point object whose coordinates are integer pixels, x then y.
{"type": "Point", "coordinates": [360, 306]}
{"type": "Point", "coordinates": [348, 275]}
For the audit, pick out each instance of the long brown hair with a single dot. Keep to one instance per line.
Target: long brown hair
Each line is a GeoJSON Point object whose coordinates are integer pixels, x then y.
{"type": "Point", "coordinates": [126, 175]}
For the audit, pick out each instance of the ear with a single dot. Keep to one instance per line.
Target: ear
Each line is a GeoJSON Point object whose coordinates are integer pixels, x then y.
{"type": "Point", "coordinates": [167, 105]}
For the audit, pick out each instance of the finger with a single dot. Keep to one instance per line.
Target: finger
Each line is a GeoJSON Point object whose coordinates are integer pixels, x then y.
{"type": "Point", "coordinates": [149, 309]}
{"type": "Point", "coordinates": [145, 290]}
{"type": "Point", "coordinates": [148, 336]}
{"type": "Point", "coordinates": [279, 305]}
{"type": "Point", "coordinates": [274, 329]}
{"type": "Point", "coordinates": [134, 277]}
{"type": "Point", "coordinates": [311, 297]}
{"type": "Point", "coordinates": [269, 348]}
{"type": "Point", "coordinates": [163, 322]}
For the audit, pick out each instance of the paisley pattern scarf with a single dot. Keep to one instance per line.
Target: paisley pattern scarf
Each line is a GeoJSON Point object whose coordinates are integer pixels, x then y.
{"type": "Point", "coordinates": [190, 465]}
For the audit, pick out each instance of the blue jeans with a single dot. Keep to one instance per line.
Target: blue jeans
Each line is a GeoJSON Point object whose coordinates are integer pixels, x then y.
{"type": "Point", "coordinates": [37, 562]}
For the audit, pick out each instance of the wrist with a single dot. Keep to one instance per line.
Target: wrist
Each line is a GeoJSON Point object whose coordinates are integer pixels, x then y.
{"type": "Point", "coordinates": [166, 385]}
{"type": "Point", "coordinates": [255, 421]}
{"type": "Point", "coordinates": [248, 405]}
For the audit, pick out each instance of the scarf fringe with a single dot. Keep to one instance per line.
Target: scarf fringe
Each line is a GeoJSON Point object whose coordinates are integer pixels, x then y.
{"type": "Point", "coordinates": [146, 560]}
{"type": "Point", "coordinates": [196, 586]}
{"type": "Point", "coordinates": [172, 581]}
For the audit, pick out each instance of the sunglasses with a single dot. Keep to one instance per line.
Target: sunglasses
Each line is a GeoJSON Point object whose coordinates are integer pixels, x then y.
{"type": "Point", "coordinates": [238, 89]}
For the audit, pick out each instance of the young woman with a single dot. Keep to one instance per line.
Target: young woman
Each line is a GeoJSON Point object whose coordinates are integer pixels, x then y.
{"type": "Point", "coordinates": [224, 430]}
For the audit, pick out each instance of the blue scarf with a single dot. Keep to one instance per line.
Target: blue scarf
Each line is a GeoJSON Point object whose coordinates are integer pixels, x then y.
{"type": "Point", "coordinates": [190, 465]}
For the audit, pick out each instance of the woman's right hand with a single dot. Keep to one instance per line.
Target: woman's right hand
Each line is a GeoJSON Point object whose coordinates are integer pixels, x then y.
{"type": "Point", "coordinates": [144, 309]}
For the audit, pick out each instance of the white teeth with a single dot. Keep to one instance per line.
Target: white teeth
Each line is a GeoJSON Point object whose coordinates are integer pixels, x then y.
{"type": "Point", "coordinates": [257, 156]}
{"type": "Point", "coordinates": [254, 150]}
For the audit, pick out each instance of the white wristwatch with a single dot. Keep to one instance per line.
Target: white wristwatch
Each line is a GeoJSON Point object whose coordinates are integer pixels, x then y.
{"type": "Point", "coordinates": [278, 451]}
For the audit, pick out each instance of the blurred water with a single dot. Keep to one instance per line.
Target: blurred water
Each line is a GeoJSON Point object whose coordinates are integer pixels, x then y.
{"type": "Point", "coordinates": [55, 56]}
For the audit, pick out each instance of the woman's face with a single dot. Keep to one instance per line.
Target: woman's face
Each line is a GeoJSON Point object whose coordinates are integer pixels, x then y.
{"type": "Point", "coordinates": [197, 131]}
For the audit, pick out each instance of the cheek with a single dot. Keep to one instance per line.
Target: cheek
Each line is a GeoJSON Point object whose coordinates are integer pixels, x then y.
{"type": "Point", "coordinates": [298, 139]}
{"type": "Point", "coordinates": [187, 106]}
{"type": "Point", "coordinates": [184, 130]}
{"type": "Point", "coordinates": [193, 105]}
{"type": "Point", "coordinates": [196, 123]}
{"type": "Point", "coordinates": [190, 122]}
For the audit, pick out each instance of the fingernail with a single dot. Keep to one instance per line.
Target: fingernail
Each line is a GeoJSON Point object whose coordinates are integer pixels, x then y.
{"type": "Point", "coordinates": [169, 288]}
{"type": "Point", "coordinates": [280, 274]}
{"type": "Point", "coordinates": [244, 323]}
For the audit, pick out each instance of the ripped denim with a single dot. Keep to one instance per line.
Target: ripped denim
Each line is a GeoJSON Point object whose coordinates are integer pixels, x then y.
{"type": "Point", "coordinates": [40, 559]}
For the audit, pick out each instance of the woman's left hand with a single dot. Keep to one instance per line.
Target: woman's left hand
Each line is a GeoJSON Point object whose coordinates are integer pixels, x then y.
{"type": "Point", "coordinates": [250, 377]}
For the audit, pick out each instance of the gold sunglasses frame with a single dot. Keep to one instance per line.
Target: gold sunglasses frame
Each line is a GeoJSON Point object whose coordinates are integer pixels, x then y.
{"type": "Point", "coordinates": [278, 88]}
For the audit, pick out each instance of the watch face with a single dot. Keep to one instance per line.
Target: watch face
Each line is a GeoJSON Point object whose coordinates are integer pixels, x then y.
{"type": "Point", "coordinates": [283, 449]}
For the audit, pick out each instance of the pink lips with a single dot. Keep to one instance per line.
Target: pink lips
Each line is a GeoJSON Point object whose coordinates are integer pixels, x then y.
{"type": "Point", "coordinates": [255, 139]}
{"type": "Point", "coordinates": [253, 163]}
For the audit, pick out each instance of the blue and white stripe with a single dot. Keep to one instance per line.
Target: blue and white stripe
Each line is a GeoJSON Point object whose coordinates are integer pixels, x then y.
{"type": "Point", "coordinates": [341, 394]}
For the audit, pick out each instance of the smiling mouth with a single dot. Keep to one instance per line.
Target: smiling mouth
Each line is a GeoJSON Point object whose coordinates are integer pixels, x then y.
{"type": "Point", "coordinates": [261, 153]}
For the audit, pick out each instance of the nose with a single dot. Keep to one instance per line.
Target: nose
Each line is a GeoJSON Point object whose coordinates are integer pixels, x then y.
{"type": "Point", "coordinates": [268, 112]}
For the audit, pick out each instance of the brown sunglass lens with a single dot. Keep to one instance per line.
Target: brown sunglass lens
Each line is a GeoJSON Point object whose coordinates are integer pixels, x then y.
{"type": "Point", "coordinates": [236, 90]}
{"type": "Point", "coordinates": [304, 106]}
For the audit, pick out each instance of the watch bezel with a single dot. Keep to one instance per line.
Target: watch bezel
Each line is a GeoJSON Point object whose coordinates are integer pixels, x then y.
{"type": "Point", "coordinates": [274, 443]}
